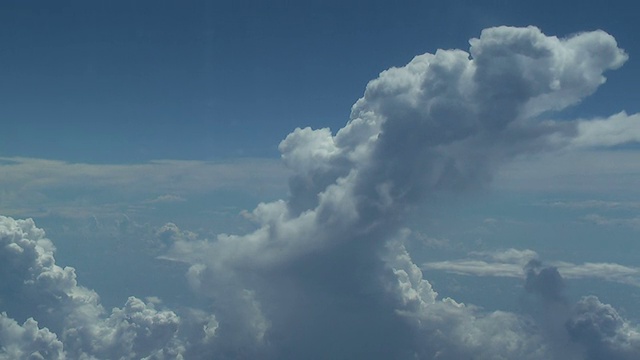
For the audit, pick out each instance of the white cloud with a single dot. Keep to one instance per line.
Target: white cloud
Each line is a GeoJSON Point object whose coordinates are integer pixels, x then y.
{"type": "Point", "coordinates": [510, 255]}
{"type": "Point", "coordinates": [476, 267]}
{"type": "Point", "coordinates": [32, 186]}
{"type": "Point", "coordinates": [28, 341]}
{"type": "Point", "coordinates": [451, 330]}
{"type": "Point", "coordinates": [167, 199]}
{"type": "Point", "coordinates": [585, 164]}
{"type": "Point", "coordinates": [510, 263]}
{"type": "Point", "coordinates": [588, 171]}
{"type": "Point", "coordinates": [71, 314]}
{"type": "Point", "coordinates": [615, 130]}
{"type": "Point", "coordinates": [444, 122]}
{"type": "Point", "coordinates": [605, 271]}
{"type": "Point", "coordinates": [507, 263]}
{"type": "Point", "coordinates": [611, 221]}
{"type": "Point", "coordinates": [589, 204]}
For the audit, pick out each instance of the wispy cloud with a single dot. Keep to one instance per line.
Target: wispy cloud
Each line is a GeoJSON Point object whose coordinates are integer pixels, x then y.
{"type": "Point", "coordinates": [592, 204]}
{"type": "Point", "coordinates": [633, 222]}
{"type": "Point", "coordinates": [589, 171]}
{"type": "Point", "coordinates": [37, 187]}
{"type": "Point", "coordinates": [510, 263]}
{"type": "Point", "coordinates": [167, 199]}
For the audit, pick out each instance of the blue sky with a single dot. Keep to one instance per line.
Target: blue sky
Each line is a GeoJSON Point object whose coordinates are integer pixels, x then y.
{"type": "Point", "coordinates": [175, 162]}
{"type": "Point", "coordinates": [130, 82]}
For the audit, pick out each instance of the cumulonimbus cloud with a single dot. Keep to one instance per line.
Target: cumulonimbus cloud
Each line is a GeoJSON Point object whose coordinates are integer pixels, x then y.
{"type": "Point", "coordinates": [325, 274]}
{"type": "Point", "coordinates": [444, 122]}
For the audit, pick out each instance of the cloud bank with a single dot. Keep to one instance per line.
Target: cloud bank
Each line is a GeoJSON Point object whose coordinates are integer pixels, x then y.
{"type": "Point", "coordinates": [510, 263]}
{"type": "Point", "coordinates": [325, 274]}
{"type": "Point", "coordinates": [33, 186]}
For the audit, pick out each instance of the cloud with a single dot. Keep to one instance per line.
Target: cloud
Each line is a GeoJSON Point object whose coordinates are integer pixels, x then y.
{"type": "Point", "coordinates": [588, 329]}
{"type": "Point", "coordinates": [34, 186]}
{"type": "Point", "coordinates": [325, 272]}
{"type": "Point", "coordinates": [545, 281]}
{"type": "Point", "coordinates": [610, 221]}
{"type": "Point", "coordinates": [586, 170]}
{"type": "Point", "coordinates": [72, 319]}
{"type": "Point", "coordinates": [167, 199]}
{"type": "Point", "coordinates": [446, 329]}
{"type": "Point", "coordinates": [615, 130]}
{"type": "Point", "coordinates": [510, 263]}
{"type": "Point", "coordinates": [28, 341]}
{"type": "Point", "coordinates": [602, 332]}
{"type": "Point", "coordinates": [591, 204]}
{"type": "Point", "coordinates": [445, 122]}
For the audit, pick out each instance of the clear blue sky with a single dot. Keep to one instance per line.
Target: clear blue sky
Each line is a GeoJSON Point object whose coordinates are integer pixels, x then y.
{"type": "Point", "coordinates": [124, 81]}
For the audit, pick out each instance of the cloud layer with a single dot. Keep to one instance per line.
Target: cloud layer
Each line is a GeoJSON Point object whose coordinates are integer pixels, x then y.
{"type": "Point", "coordinates": [326, 274]}
{"type": "Point", "coordinates": [510, 263]}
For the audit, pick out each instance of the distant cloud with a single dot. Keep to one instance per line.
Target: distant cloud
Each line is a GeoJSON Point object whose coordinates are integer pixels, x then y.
{"type": "Point", "coordinates": [167, 199]}
{"type": "Point", "coordinates": [544, 281]}
{"type": "Point", "coordinates": [615, 130]}
{"type": "Point", "coordinates": [602, 331]}
{"type": "Point", "coordinates": [612, 221]}
{"type": "Point", "coordinates": [38, 286]}
{"type": "Point", "coordinates": [593, 204]}
{"type": "Point", "coordinates": [510, 263]}
{"type": "Point", "coordinates": [31, 186]}
{"type": "Point", "coordinates": [27, 341]}
{"type": "Point", "coordinates": [584, 170]}
{"type": "Point", "coordinates": [588, 329]}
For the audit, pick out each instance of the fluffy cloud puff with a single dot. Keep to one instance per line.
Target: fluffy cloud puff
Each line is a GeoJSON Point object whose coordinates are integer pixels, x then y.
{"type": "Point", "coordinates": [27, 341]}
{"type": "Point", "coordinates": [71, 321]}
{"type": "Point", "coordinates": [588, 329]}
{"type": "Point", "coordinates": [602, 332]}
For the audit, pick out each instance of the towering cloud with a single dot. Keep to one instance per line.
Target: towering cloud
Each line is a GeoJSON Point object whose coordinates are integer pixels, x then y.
{"type": "Point", "coordinates": [588, 329]}
{"type": "Point", "coordinates": [602, 332]}
{"type": "Point", "coordinates": [443, 122]}
{"type": "Point", "coordinates": [325, 274]}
